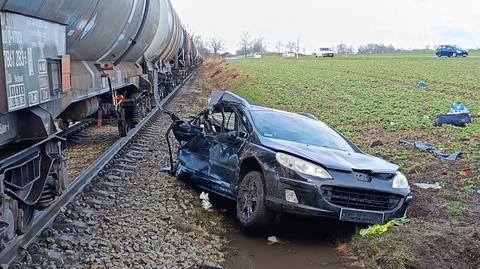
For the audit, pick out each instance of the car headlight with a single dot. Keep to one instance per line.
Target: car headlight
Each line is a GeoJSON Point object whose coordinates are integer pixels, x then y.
{"type": "Point", "coordinates": [400, 181]}
{"type": "Point", "coordinates": [301, 166]}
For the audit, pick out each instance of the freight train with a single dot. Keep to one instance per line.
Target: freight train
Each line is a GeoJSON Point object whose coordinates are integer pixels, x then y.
{"type": "Point", "coordinates": [65, 61]}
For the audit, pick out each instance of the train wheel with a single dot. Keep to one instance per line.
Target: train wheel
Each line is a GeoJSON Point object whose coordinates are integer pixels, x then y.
{"type": "Point", "coordinates": [62, 176]}
{"type": "Point", "coordinates": [148, 103]}
{"type": "Point", "coordinates": [123, 127]}
{"type": "Point", "coordinates": [123, 123]}
{"type": "Point", "coordinates": [24, 217]}
{"type": "Point", "coordinates": [7, 223]}
{"type": "Point", "coordinates": [63, 124]}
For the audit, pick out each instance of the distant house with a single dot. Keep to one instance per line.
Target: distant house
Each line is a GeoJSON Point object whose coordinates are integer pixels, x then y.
{"type": "Point", "coordinates": [226, 55]}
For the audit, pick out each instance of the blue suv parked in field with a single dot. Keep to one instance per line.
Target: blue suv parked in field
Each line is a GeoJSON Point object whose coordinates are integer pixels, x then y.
{"type": "Point", "coordinates": [451, 51]}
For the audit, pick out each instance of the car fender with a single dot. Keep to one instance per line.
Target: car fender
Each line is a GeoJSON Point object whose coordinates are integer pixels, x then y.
{"type": "Point", "coordinates": [264, 157]}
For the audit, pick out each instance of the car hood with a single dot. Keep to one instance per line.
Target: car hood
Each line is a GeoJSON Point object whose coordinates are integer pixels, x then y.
{"type": "Point", "coordinates": [332, 158]}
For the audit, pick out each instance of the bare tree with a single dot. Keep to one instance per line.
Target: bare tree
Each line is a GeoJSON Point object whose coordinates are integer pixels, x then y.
{"type": "Point", "coordinates": [216, 44]}
{"type": "Point", "coordinates": [279, 47]}
{"type": "Point", "coordinates": [200, 45]}
{"type": "Point", "coordinates": [351, 49]}
{"type": "Point", "coordinates": [342, 48]}
{"type": "Point", "coordinates": [245, 42]}
{"type": "Point", "coordinates": [258, 45]}
{"type": "Point", "coordinates": [291, 46]}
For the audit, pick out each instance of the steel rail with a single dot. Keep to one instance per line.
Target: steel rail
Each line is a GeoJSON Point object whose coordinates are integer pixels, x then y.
{"type": "Point", "coordinates": [45, 217]}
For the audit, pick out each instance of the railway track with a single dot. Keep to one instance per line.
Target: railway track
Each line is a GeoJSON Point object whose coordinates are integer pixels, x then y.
{"type": "Point", "coordinates": [115, 163]}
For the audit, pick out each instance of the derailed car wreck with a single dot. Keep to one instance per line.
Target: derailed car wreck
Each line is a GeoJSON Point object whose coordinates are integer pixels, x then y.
{"type": "Point", "coordinates": [271, 161]}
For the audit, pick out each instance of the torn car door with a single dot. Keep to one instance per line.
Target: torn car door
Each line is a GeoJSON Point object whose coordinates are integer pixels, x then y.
{"type": "Point", "coordinates": [225, 151]}
{"type": "Point", "coordinates": [194, 147]}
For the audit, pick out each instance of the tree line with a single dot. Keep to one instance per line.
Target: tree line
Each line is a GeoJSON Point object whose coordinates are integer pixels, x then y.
{"type": "Point", "coordinates": [250, 45]}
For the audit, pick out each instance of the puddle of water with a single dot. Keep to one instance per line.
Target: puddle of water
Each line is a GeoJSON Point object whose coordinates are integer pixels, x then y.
{"type": "Point", "coordinates": [306, 243]}
{"type": "Point", "coordinates": [250, 252]}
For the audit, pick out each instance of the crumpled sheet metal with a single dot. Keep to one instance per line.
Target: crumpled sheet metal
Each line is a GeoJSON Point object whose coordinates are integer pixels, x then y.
{"type": "Point", "coordinates": [423, 145]}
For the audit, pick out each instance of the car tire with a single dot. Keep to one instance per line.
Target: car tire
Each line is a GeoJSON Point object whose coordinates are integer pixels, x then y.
{"type": "Point", "coordinates": [251, 209]}
{"type": "Point", "coordinates": [439, 55]}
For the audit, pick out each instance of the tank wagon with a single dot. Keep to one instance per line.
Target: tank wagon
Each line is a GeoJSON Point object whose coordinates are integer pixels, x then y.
{"type": "Point", "coordinates": [65, 61]}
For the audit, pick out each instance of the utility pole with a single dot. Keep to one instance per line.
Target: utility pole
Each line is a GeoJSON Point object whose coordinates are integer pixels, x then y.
{"type": "Point", "coordinates": [298, 46]}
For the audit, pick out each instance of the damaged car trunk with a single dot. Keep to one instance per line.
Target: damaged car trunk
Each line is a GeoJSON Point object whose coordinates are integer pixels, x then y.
{"type": "Point", "coordinates": [271, 161]}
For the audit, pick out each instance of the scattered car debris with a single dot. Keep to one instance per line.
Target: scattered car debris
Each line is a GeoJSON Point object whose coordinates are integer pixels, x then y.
{"type": "Point", "coordinates": [457, 116]}
{"type": "Point", "coordinates": [379, 229]}
{"type": "Point", "coordinates": [376, 143]}
{"type": "Point", "coordinates": [421, 84]}
{"type": "Point", "coordinates": [275, 240]}
{"type": "Point", "coordinates": [452, 119]}
{"type": "Point", "coordinates": [423, 145]}
{"type": "Point", "coordinates": [458, 109]}
{"type": "Point", "coordinates": [342, 247]}
{"type": "Point", "coordinates": [205, 201]}
{"type": "Point", "coordinates": [427, 186]}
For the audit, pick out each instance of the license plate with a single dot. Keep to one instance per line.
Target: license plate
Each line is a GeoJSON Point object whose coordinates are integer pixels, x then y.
{"type": "Point", "coordinates": [361, 216]}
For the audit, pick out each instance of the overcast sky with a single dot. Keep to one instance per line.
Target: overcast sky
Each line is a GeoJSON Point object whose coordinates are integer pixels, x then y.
{"type": "Point", "coordinates": [402, 23]}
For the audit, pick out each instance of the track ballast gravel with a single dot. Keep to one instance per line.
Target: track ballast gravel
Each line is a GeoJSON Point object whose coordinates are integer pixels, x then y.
{"type": "Point", "coordinates": [136, 216]}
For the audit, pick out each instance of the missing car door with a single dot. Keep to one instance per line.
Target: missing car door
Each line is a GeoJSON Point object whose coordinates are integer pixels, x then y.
{"type": "Point", "coordinates": [226, 148]}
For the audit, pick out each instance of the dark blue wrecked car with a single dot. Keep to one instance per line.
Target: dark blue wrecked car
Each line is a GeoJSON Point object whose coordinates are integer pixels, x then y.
{"type": "Point", "coordinates": [271, 161]}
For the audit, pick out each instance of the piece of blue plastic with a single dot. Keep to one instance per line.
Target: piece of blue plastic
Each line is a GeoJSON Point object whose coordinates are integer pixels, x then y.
{"type": "Point", "coordinates": [423, 145]}
{"type": "Point", "coordinates": [457, 119]}
{"type": "Point", "coordinates": [421, 84]}
{"type": "Point", "coordinates": [458, 108]}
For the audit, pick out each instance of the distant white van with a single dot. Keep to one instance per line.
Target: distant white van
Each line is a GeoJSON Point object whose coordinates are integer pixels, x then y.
{"type": "Point", "coordinates": [289, 54]}
{"type": "Point", "coordinates": [326, 52]}
{"type": "Point", "coordinates": [257, 56]}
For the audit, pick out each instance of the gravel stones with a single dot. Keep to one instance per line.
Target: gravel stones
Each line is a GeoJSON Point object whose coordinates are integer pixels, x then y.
{"type": "Point", "coordinates": [141, 219]}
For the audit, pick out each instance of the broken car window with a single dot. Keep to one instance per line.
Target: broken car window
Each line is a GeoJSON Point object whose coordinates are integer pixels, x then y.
{"type": "Point", "coordinates": [296, 128]}
{"type": "Point", "coordinates": [215, 118]}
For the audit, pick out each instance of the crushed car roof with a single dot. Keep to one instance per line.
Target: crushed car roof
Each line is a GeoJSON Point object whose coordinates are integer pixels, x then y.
{"type": "Point", "coordinates": [219, 95]}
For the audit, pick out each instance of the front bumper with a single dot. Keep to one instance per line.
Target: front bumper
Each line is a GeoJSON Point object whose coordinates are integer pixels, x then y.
{"type": "Point", "coordinates": [312, 201]}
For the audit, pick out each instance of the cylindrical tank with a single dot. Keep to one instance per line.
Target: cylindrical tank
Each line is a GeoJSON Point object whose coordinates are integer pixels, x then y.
{"type": "Point", "coordinates": [81, 110]}
{"type": "Point", "coordinates": [110, 30]}
{"type": "Point", "coordinates": [168, 38]}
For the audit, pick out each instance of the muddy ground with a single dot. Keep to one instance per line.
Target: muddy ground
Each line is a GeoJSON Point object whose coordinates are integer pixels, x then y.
{"type": "Point", "coordinates": [444, 225]}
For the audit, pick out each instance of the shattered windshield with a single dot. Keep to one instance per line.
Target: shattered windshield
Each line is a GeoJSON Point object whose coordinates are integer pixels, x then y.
{"type": "Point", "coordinates": [285, 126]}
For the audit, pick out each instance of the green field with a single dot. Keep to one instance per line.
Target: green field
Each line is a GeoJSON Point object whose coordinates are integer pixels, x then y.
{"type": "Point", "coordinates": [372, 98]}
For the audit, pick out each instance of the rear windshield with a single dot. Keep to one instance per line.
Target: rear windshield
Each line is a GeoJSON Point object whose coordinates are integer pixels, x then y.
{"type": "Point", "coordinates": [296, 128]}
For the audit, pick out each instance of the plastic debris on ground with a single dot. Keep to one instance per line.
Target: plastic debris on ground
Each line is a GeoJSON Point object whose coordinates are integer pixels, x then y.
{"type": "Point", "coordinates": [458, 109]}
{"type": "Point", "coordinates": [205, 201]}
{"type": "Point", "coordinates": [342, 247]}
{"type": "Point", "coordinates": [421, 84]}
{"type": "Point", "coordinates": [379, 229]}
{"type": "Point", "coordinates": [275, 240]}
{"type": "Point", "coordinates": [423, 145]}
{"type": "Point", "coordinates": [458, 116]}
{"type": "Point", "coordinates": [376, 143]}
{"type": "Point", "coordinates": [427, 186]}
